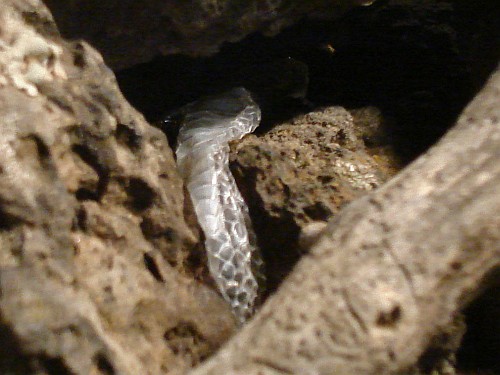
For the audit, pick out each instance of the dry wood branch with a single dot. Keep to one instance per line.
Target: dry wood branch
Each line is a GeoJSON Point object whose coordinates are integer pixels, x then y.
{"type": "Point", "coordinates": [392, 269]}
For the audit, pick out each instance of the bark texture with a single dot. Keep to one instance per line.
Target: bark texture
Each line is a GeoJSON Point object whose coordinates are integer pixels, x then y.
{"type": "Point", "coordinates": [392, 270]}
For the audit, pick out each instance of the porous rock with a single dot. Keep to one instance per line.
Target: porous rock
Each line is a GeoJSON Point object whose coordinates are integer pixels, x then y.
{"type": "Point", "coordinates": [303, 172]}
{"type": "Point", "coordinates": [94, 249]}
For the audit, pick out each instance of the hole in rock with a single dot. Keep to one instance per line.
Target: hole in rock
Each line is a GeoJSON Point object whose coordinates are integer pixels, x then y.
{"type": "Point", "coordinates": [389, 318]}
{"type": "Point", "coordinates": [83, 194]}
{"type": "Point", "coordinates": [128, 136]}
{"type": "Point", "coordinates": [152, 267]}
{"type": "Point", "coordinates": [141, 195]}
{"type": "Point", "coordinates": [12, 358]}
{"type": "Point", "coordinates": [185, 340]}
{"type": "Point", "coordinates": [92, 159]}
{"type": "Point", "coordinates": [8, 221]}
{"type": "Point", "coordinates": [104, 365]}
{"type": "Point", "coordinates": [54, 365]}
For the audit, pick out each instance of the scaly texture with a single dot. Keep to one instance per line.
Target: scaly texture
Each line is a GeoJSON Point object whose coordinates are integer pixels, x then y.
{"type": "Point", "coordinates": [202, 157]}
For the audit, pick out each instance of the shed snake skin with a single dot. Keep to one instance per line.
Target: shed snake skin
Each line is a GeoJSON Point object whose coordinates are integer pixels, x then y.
{"type": "Point", "coordinates": [202, 152]}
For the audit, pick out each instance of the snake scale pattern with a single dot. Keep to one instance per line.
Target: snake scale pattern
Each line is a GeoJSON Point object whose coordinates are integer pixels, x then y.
{"type": "Point", "coordinates": [202, 152]}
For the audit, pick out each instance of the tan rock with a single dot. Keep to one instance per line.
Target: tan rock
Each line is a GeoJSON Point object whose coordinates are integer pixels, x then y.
{"type": "Point", "coordinates": [301, 172]}
{"type": "Point", "coordinates": [94, 269]}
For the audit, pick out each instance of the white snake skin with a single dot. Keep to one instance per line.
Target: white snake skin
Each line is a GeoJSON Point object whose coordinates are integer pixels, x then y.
{"type": "Point", "coordinates": [202, 158]}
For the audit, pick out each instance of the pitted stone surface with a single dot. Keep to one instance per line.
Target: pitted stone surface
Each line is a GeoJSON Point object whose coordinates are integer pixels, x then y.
{"type": "Point", "coordinates": [300, 172]}
{"type": "Point", "coordinates": [95, 269]}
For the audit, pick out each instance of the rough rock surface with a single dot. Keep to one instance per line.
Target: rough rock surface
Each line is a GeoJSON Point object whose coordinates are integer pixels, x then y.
{"type": "Point", "coordinates": [131, 32]}
{"type": "Point", "coordinates": [304, 171]}
{"type": "Point", "coordinates": [94, 275]}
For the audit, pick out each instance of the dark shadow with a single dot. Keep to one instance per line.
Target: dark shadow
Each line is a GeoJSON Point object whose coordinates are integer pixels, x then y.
{"type": "Point", "coordinates": [480, 348]}
{"type": "Point", "coordinates": [420, 63]}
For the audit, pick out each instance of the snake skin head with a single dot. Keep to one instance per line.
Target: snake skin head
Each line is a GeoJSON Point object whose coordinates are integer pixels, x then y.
{"type": "Point", "coordinates": [214, 121]}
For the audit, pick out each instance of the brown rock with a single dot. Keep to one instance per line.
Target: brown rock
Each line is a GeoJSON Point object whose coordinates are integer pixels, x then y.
{"type": "Point", "coordinates": [302, 172]}
{"type": "Point", "coordinates": [94, 268]}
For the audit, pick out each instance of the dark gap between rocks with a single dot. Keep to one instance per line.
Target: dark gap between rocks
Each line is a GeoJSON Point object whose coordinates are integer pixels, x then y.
{"type": "Point", "coordinates": [419, 63]}
{"type": "Point", "coordinates": [13, 360]}
{"type": "Point", "coordinates": [480, 347]}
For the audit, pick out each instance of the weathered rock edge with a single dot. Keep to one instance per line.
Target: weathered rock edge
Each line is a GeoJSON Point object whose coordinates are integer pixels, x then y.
{"type": "Point", "coordinates": [392, 269]}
